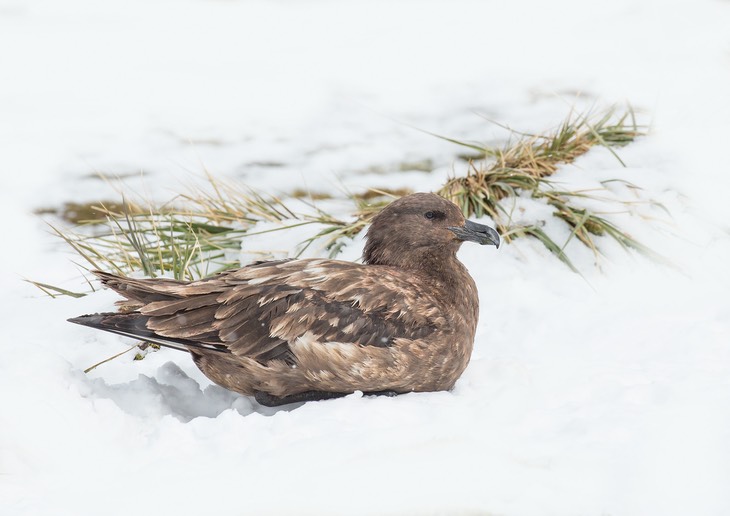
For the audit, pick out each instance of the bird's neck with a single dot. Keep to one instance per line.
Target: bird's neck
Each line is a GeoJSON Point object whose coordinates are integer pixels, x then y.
{"type": "Point", "coordinates": [436, 265]}
{"type": "Point", "coordinates": [447, 272]}
{"type": "Point", "coordinates": [455, 288]}
{"type": "Point", "coordinates": [442, 267]}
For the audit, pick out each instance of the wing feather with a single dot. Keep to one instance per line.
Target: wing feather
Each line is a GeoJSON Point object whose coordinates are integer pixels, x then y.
{"type": "Point", "coordinates": [261, 310]}
{"type": "Point", "coordinates": [185, 304]}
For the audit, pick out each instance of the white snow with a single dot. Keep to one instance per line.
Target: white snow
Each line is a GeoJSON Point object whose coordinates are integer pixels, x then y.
{"type": "Point", "coordinates": [602, 394]}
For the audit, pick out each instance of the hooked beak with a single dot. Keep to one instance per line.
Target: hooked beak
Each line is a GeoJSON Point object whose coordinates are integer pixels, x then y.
{"type": "Point", "coordinates": [479, 233]}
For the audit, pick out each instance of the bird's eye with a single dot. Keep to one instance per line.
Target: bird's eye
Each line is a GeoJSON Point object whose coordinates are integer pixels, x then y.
{"type": "Point", "coordinates": [435, 215]}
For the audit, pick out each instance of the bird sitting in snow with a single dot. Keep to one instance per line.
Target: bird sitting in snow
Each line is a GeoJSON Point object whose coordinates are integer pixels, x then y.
{"type": "Point", "coordinates": [301, 330]}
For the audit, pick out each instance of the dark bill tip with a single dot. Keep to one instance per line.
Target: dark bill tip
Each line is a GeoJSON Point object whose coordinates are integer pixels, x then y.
{"type": "Point", "coordinates": [479, 233]}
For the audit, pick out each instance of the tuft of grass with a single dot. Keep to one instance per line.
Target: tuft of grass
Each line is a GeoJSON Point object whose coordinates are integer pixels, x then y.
{"type": "Point", "coordinates": [163, 243]}
{"type": "Point", "coordinates": [199, 232]}
{"type": "Point", "coordinates": [524, 162]}
{"type": "Point", "coordinates": [195, 236]}
{"type": "Point", "coordinates": [523, 167]}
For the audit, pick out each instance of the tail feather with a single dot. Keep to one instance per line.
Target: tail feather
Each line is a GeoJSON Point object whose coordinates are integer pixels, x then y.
{"type": "Point", "coordinates": [134, 325]}
{"type": "Point", "coordinates": [141, 290]}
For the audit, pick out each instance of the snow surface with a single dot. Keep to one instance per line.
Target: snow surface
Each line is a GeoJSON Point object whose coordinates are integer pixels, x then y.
{"type": "Point", "coordinates": [607, 394]}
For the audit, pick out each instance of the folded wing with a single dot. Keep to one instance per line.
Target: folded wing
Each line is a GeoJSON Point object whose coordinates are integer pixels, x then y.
{"type": "Point", "coordinates": [260, 310]}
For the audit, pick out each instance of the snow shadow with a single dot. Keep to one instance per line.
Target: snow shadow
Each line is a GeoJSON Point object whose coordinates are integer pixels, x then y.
{"type": "Point", "coordinates": [172, 392]}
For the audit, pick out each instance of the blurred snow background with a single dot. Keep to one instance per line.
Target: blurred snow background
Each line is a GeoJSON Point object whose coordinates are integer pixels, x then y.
{"type": "Point", "coordinates": [603, 395]}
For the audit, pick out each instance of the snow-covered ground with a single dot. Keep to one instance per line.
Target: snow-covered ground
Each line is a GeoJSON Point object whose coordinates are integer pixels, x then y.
{"type": "Point", "coordinates": [608, 394]}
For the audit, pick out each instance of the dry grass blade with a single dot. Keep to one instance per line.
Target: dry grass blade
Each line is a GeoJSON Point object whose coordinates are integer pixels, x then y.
{"type": "Point", "coordinates": [537, 232]}
{"type": "Point", "coordinates": [234, 204]}
{"type": "Point", "coordinates": [54, 291]}
{"type": "Point", "coordinates": [337, 231]}
{"type": "Point", "coordinates": [91, 368]}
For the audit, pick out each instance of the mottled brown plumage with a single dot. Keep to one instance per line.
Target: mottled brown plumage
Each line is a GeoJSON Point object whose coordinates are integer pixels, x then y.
{"type": "Point", "coordinates": [296, 330]}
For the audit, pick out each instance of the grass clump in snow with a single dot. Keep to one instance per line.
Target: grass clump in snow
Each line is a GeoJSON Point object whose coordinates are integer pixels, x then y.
{"type": "Point", "coordinates": [157, 242]}
{"type": "Point", "coordinates": [524, 166]}
{"type": "Point", "coordinates": [199, 233]}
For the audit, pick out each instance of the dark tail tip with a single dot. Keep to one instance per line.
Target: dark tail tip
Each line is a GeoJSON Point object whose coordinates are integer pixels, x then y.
{"type": "Point", "coordinates": [92, 320]}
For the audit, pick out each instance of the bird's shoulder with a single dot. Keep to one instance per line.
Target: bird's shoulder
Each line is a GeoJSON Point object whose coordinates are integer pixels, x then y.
{"type": "Point", "coordinates": [385, 290]}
